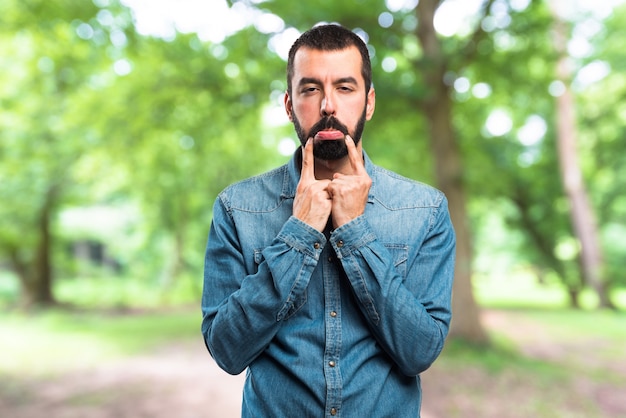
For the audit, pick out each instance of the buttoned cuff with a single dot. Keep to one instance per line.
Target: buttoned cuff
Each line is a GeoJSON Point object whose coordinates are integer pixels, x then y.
{"type": "Point", "coordinates": [351, 236]}
{"type": "Point", "coordinates": [302, 237]}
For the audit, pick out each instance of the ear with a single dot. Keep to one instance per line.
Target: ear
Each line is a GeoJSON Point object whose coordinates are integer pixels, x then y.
{"type": "Point", "coordinates": [288, 106]}
{"type": "Point", "coordinates": [371, 104]}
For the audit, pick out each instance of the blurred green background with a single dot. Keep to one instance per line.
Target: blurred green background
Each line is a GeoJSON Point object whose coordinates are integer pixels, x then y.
{"type": "Point", "coordinates": [121, 121]}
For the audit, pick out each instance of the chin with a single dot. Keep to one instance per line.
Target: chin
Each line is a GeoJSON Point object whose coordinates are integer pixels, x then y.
{"type": "Point", "coordinates": [330, 150]}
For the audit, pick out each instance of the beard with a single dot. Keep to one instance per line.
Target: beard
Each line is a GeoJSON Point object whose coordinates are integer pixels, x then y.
{"type": "Point", "coordinates": [330, 149]}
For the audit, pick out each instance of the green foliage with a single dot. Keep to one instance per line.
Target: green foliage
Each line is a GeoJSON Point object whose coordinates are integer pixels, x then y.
{"type": "Point", "coordinates": [602, 131]}
{"type": "Point", "coordinates": [94, 115]}
{"type": "Point", "coordinates": [51, 62]}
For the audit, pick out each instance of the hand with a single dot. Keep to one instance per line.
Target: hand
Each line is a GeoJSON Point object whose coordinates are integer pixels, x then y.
{"type": "Point", "coordinates": [312, 203]}
{"type": "Point", "coordinates": [349, 192]}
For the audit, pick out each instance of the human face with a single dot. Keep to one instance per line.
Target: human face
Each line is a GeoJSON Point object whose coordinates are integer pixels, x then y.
{"type": "Point", "coordinates": [328, 100]}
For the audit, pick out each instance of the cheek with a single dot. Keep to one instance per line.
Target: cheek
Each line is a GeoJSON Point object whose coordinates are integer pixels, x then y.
{"type": "Point", "coordinates": [356, 107]}
{"type": "Point", "coordinates": [306, 113]}
{"type": "Point", "coordinates": [307, 106]}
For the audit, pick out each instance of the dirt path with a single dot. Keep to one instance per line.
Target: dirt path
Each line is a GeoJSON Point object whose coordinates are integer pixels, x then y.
{"type": "Point", "coordinates": [182, 381]}
{"type": "Point", "coordinates": [176, 382]}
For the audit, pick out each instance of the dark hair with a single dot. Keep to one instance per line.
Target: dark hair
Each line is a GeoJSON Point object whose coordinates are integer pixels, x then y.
{"type": "Point", "coordinates": [331, 38]}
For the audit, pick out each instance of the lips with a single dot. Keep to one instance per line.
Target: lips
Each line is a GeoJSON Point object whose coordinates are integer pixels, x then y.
{"type": "Point", "coordinates": [330, 134]}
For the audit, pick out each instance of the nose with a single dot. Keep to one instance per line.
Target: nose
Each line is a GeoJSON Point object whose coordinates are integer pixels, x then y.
{"type": "Point", "coordinates": [327, 107]}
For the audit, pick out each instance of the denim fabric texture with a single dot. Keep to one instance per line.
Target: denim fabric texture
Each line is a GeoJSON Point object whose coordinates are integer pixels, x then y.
{"type": "Point", "coordinates": [335, 324]}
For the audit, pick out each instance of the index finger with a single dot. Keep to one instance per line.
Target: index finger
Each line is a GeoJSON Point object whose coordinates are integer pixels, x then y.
{"type": "Point", "coordinates": [356, 158]}
{"type": "Point", "coordinates": [307, 173]}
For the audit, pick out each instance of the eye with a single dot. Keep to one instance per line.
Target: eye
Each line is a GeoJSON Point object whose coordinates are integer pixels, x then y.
{"type": "Point", "coordinates": [309, 89]}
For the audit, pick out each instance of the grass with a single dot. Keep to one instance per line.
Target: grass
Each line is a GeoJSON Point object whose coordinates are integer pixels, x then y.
{"type": "Point", "coordinates": [111, 292]}
{"type": "Point", "coordinates": [123, 292]}
{"type": "Point", "coordinates": [104, 321]}
{"type": "Point", "coordinates": [56, 341]}
{"type": "Point", "coordinates": [522, 290]}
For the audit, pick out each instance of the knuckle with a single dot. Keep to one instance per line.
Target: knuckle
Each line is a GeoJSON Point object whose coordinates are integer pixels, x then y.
{"type": "Point", "coordinates": [301, 188]}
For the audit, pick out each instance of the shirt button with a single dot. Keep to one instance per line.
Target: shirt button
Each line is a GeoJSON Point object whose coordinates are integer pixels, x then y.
{"type": "Point", "coordinates": [339, 244]}
{"type": "Point", "coordinates": [316, 245]}
{"type": "Point", "coordinates": [333, 314]}
{"type": "Point", "coordinates": [333, 411]}
{"type": "Point", "coordinates": [330, 259]}
{"type": "Point", "coordinates": [331, 363]}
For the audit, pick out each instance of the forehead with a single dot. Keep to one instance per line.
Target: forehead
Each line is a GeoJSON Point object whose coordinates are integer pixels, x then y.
{"type": "Point", "coordinates": [315, 63]}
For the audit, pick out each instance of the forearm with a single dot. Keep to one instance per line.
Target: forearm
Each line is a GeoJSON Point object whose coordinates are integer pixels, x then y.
{"type": "Point", "coordinates": [408, 313]}
{"type": "Point", "coordinates": [242, 311]}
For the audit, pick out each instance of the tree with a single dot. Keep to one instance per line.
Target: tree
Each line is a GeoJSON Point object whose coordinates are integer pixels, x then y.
{"type": "Point", "coordinates": [155, 123]}
{"type": "Point", "coordinates": [438, 107]}
{"type": "Point", "coordinates": [423, 89]}
{"type": "Point", "coordinates": [527, 167]}
{"type": "Point", "coordinates": [192, 128]}
{"type": "Point", "coordinates": [581, 212]}
{"type": "Point", "coordinates": [46, 64]}
{"type": "Point", "coordinates": [95, 114]}
{"type": "Point", "coordinates": [601, 132]}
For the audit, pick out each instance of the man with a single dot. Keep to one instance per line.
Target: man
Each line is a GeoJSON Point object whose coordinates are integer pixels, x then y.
{"type": "Point", "coordinates": [328, 278]}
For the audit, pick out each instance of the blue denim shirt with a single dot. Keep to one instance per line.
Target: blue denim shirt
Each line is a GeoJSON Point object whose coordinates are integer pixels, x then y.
{"type": "Point", "coordinates": [338, 324]}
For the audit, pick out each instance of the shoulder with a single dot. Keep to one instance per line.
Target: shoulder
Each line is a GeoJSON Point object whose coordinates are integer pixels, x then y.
{"type": "Point", "coordinates": [396, 191]}
{"type": "Point", "coordinates": [260, 192]}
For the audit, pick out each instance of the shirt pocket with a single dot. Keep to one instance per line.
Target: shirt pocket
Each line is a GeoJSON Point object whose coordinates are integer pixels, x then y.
{"type": "Point", "coordinates": [399, 256]}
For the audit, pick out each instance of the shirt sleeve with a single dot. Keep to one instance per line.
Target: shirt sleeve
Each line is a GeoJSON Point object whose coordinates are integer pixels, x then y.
{"type": "Point", "coordinates": [410, 322]}
{"type": "Point", "coordinates": [242, 310]}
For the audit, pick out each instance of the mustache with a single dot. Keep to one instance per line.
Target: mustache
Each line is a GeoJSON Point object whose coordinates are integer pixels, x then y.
{"type": "Point", "coordinates": [329, 122]}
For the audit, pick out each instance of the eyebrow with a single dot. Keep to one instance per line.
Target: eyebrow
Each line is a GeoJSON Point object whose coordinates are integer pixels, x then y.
{"type": "Point", "coordinates": [312, 80]}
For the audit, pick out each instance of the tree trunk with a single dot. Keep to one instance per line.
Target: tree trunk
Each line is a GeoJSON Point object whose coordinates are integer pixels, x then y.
{"type": "Point", "coordinates": [437, 107]}
{"type": "Point", "coordinates": [545, 246]}
{"type": "Point", "coordinates": [35, 274]}
{"type": "Point", "coordinates": [581, 212]}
